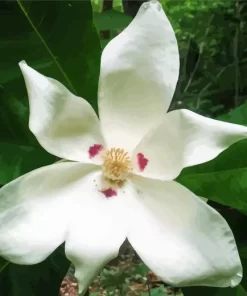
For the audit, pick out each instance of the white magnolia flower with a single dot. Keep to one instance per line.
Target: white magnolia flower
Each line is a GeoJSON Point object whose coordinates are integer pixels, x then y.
{"type": "Point", "coordinates": [119, 181]}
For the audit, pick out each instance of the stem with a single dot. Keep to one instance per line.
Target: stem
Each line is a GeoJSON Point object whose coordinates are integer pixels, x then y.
{"type": "Point", "coordinates": [3, 266]}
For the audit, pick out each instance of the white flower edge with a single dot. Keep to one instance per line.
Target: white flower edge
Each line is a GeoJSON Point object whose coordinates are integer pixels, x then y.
{"type": "Point", "coordinates": [182, 139]}
{"type": "Point", "coordinates": [179, 237]}
{"type": "Point", "coordinates": [64, 124]}
{"type": "Point", "coordinates": [142, 62]}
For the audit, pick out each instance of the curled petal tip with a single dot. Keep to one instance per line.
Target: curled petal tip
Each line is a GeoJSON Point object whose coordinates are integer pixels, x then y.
{"type": "Point", "coordinates": [237, 279]}
{"type": "Point", "coordinates": [22, 63]}
{"type": "Point", "coordinates": [155, 3]}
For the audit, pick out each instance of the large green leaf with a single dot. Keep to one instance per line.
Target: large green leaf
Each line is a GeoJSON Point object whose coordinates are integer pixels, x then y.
{"type": "Point", "coordinates": [17, 160]}
{"type": "Point", "coordinates": [238, 115]}
{"type": "Point", "coordinates": [3, 264]}
{"type": "Point", "coordinates": [59, 39]}
{"type": "Point", "coordinates": [41, 279]}
{"type": "Point", "coordinates": [223, 179]}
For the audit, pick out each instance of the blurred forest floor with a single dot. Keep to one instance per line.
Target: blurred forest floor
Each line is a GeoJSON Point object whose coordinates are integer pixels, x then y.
{"type": "Point", "coordinates": [125, 276]}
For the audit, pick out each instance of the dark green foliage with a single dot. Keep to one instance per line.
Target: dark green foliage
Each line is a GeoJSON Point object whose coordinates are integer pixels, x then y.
{"type": "Point", "coordinates": [57, 38]}
{"type": "Point", "coordinates": [42, 279]}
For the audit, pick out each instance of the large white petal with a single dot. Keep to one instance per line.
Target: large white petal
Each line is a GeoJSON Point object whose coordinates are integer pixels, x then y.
{"type": "Point", "coordinates": [96, 232]}
{"type": "Point", "coordinates": [35, 208]}
{"type": "Point", "coordinates": [139, 72]}
{"type": "Point", "coordinates": [64, 124]}
{"type": "Point", "coordinates": [183, 240]}
{"type": "Point", "coordinates": [183, 139]}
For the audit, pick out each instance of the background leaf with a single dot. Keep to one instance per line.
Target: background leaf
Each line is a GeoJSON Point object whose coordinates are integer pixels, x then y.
{"type": "Point", "coordinates": [16, 160]}
{"type": "Point", "coordinates": [238, 115]}
{"type": "Point", "coordinates": [41, 279]}
{"type": "Point", "coordinates": [59, 39]}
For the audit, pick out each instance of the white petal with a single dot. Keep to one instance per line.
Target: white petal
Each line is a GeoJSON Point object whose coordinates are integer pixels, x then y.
{"type": "Point", "coordinates": [203, 198]}
{"type": "Point", "coordinates": [184, 139]}
{"type": "Point", "coordinates": [96, 232]}
{"type": "Point", "coordinates": [139, 72]}
{"type": "Point", "coordinates": [34, 211]}
{"type": "Point", "coordinates": [64, 124]}
{"type": "Point", "coordinates": [183, 240]}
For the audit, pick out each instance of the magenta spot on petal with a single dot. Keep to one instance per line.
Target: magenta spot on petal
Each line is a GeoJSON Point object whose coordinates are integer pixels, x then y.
{"type": "Point", "coordinates": [94, 150]}
{"type": "Point", "coordinates": [142, 161]}
{"type": "Point", "coordinates": [109, 192]}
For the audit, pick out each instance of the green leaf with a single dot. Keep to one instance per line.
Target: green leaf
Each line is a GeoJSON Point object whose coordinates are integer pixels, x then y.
{"type": "Point", "coordinates": [35, 280]}
{"type": "Point", "coordinates": [111, 20]}
{"type": "Point", "coordinates": [160, 291]}
{"type": "Point", "coordinates": [238, 115]}
{"type": "Point", "coordinates": [59, 39]}
{"type": "Point", "coordinates": [205, 291]}
{"type": "Point", "coordinates": [243, 251]}
{"type": "Point", "coordinates": [242, 248]}
{"type": "Point", "coordinates": [3, 264]}
{"type": "Point", "coordinates": [223, 180]}
{"type": "Point", "coordinates": [17, 160]}
{"type": "Point", "coordinates": [110, 23]}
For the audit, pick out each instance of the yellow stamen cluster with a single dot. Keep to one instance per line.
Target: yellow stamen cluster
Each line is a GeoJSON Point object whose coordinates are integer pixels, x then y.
{"type": "Point", "coordinates": [117, 165]}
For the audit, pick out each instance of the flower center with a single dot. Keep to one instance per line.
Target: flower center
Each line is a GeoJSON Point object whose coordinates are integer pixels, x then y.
{"type": "Point", "coordinates": [117, 165]}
